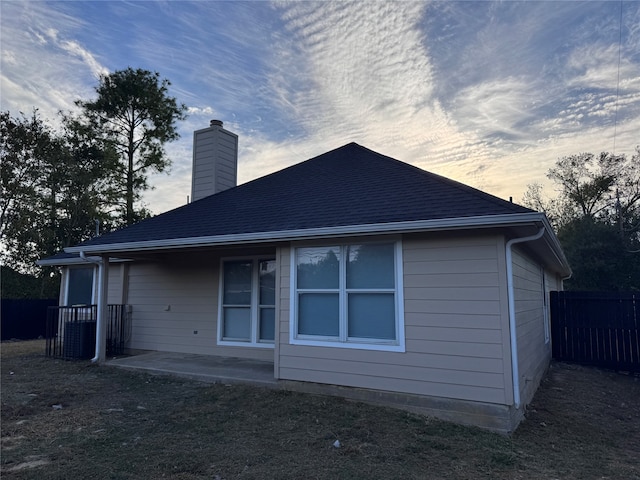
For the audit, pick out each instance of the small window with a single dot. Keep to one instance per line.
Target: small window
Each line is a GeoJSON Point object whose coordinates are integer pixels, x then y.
{"type": "Point", "coordinates": [348, 295]}
{"type": "Point", "coordinates": [80, 286]}
{"type": "Point", "coordinates": [248, 297]}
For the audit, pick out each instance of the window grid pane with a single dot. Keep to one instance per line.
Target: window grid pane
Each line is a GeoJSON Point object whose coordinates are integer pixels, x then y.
{"type": "Point", "coordinates": [267, 324]}
{"type": "Point", "coordinates": [371, 266]}
{"type": "Point", "coordinates": [318, 267]}
{"type": "Point", "coordinates": [372, 315]}
{"type": "Point", "coordinates": [237, 323]}
{"type": "Point", "coordinates": [319, 314]}
{"type": "Point", "coordinates": [237, 283]}
{"type": "Point", "coordinates": [267, 274]}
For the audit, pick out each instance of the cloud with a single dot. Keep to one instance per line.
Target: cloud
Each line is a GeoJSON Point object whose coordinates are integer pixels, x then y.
{"type": "Point", "coordinates": [76, 50]}
{"type": "Point", "coordinates": [40, 67]}
{"type": "Point", "coordinates": [354, 71]}
{"type": "Point", "coordinates": [488, 93]}
{"type": "Point", "coordinates": [497, 107]}
{"type": "Point", "coordinates": [362, 64]}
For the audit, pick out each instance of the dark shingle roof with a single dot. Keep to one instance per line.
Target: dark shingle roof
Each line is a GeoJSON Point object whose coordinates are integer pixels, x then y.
{"type": "Point", "coordinates": [350, 185]}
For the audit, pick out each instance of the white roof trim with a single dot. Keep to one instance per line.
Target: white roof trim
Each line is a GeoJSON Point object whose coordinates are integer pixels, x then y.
{"type": "Point", "coordinates": [458, 223]}
{"type": "Point", "coordinates": [261, 237]}
{"type": "Point", "coordinates": [76, 261]}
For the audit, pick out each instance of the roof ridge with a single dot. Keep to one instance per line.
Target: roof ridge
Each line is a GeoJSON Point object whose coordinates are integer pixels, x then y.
{"type": "Point", "coordinates": [455, 183]}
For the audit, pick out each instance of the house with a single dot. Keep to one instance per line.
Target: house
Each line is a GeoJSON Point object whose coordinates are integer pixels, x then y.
{"type": "Point", "coordinates": [351, 270]}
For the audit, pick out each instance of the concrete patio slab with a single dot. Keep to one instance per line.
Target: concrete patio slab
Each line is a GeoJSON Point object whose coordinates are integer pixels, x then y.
{"type": "Point", "coordinates": [206, 368]}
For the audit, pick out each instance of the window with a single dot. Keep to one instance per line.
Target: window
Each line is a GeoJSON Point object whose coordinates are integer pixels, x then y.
{"type": "Point", "coordinates": [545, 307]}
{"type": "Point", "coordinates": [247, 301]}
{"type": "Point", "coordinates": [348, 295]}
{"type": "Point", "coordinates": [80, 286]}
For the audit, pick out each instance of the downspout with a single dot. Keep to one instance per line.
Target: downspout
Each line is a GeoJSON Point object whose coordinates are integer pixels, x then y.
{"type": "Point", "coordinates": [100, 351]}
{"type": "Point", "coordinates": [512, 313]}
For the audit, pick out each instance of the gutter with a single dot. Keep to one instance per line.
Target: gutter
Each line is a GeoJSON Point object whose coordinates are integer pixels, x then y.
{"type": "Point", "coordinates": [485, 221]}
{"type": "Point", "coordinates": [61, 262]}
{"type": "Point", "coordinates": [515, 374]}
{"type": "Point", "coordinates": [100, 350]}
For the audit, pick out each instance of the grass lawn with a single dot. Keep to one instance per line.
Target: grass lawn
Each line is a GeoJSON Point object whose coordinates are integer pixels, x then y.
{"type": "Point", "coordinates": [74, 420]}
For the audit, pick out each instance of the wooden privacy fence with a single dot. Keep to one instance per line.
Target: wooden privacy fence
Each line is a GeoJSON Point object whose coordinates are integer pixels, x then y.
{"type": "Point", "coordinates": [24, 319]}
{"type": "Point", "coordinates": [596, 328]}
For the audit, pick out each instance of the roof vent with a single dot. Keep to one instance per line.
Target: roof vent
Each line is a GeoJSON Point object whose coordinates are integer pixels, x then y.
{"type": "Point", "coordinates": [215, 123]}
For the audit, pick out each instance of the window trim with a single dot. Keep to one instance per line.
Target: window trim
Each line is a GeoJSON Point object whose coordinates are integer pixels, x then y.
{"type": "Point", "coordinates": [67, 280]}
{"type": "Point", "coordinates": [255, 306]}
{"type": "Point", "coordinates": [343, 341]}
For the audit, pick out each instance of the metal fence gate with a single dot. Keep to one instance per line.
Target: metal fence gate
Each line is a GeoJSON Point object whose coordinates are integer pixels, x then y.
{"type": "Point", "coordinates": [71, 331]}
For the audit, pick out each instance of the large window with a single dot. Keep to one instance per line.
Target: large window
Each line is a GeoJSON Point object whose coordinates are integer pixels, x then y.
{"type": "Point", "coordinates": [247, 301]}
{"type": "Point", "coordinates": [80, 286]}
{"type": "Point", "coordinates": [348, 295]}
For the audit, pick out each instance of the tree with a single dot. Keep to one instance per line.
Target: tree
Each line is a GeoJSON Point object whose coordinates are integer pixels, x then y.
{"type": "Point", "coordinates": [599, 258]}
{"type": "Point", "coordinates": [556, 210]}
{"type": "Point", "coordinates": [597, 217]}
{"type": "Point", "coordinates": [54, 187]}
{"type": "Point", "coordinates": [86, 185]}
{"type": "Point", "coordinates": [20, 285]}
{"type": "Point", "coordinates": [585, 181]}
{"type": "Point", "coordinates": [137, 116]}
{"type": "Point", "coordinates": [25, 143]}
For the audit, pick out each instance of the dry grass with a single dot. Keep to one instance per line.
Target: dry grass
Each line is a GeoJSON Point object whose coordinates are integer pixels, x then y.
{"type": "Point", "coordinates": [584, 423]}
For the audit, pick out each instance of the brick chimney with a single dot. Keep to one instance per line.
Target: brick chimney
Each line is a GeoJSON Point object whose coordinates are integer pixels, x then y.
{"type": "Point", "coordinates": [215, 161]}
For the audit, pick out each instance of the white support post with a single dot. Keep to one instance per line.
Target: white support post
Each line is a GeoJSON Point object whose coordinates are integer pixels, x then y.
{"type": "Point", "coordinates": [103, 311]}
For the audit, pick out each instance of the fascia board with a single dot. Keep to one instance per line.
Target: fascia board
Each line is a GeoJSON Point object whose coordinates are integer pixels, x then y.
{"type": "Point", "coordinates": [458, 223]}
{"type": "Point", "coordinates": [76, 261]}
{"type": "Point", "coordinates": [64, 261]}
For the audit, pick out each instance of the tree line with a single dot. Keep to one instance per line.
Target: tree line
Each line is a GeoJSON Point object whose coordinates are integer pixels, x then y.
{"type": "Point", "coordinates": [596, 215]}
{"type": "Point", "coordinates": [60, 186]}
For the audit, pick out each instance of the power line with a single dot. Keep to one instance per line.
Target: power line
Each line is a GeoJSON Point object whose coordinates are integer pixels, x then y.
{"type": "Point", "coordinates": [615, 118]}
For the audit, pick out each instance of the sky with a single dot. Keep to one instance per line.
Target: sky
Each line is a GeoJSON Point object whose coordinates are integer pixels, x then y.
{"type": "Point", "coordinates": [490, 94]}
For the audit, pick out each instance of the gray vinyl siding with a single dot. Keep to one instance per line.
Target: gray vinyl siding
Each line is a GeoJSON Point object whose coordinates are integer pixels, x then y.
{"type": "Point", "coordinates": [533, 353]}
{"type": "Point", "coordinates": [454, 320]}
{"type": "Point", "coordinates": [175, 307]}
{"type": "Point", "coordinates": [116, 293]}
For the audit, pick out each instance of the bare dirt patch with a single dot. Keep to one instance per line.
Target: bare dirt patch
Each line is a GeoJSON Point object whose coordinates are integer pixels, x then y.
{"type": "Point", "coordinates": [64, 420]}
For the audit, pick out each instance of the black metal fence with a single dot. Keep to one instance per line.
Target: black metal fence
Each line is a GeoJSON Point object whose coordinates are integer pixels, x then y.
{"type": "Point", "coordinates": [596, 328]}
{"type": "Point", "coordinates": [24, 319]}
{"type": "Point", "coordinates": [118, 329]}
{"type": "Point", "coordinates": [71, 331]}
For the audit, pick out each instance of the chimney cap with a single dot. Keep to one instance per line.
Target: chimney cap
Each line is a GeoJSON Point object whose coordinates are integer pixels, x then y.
{"type": "Point", "coordinates": [215, 123]}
